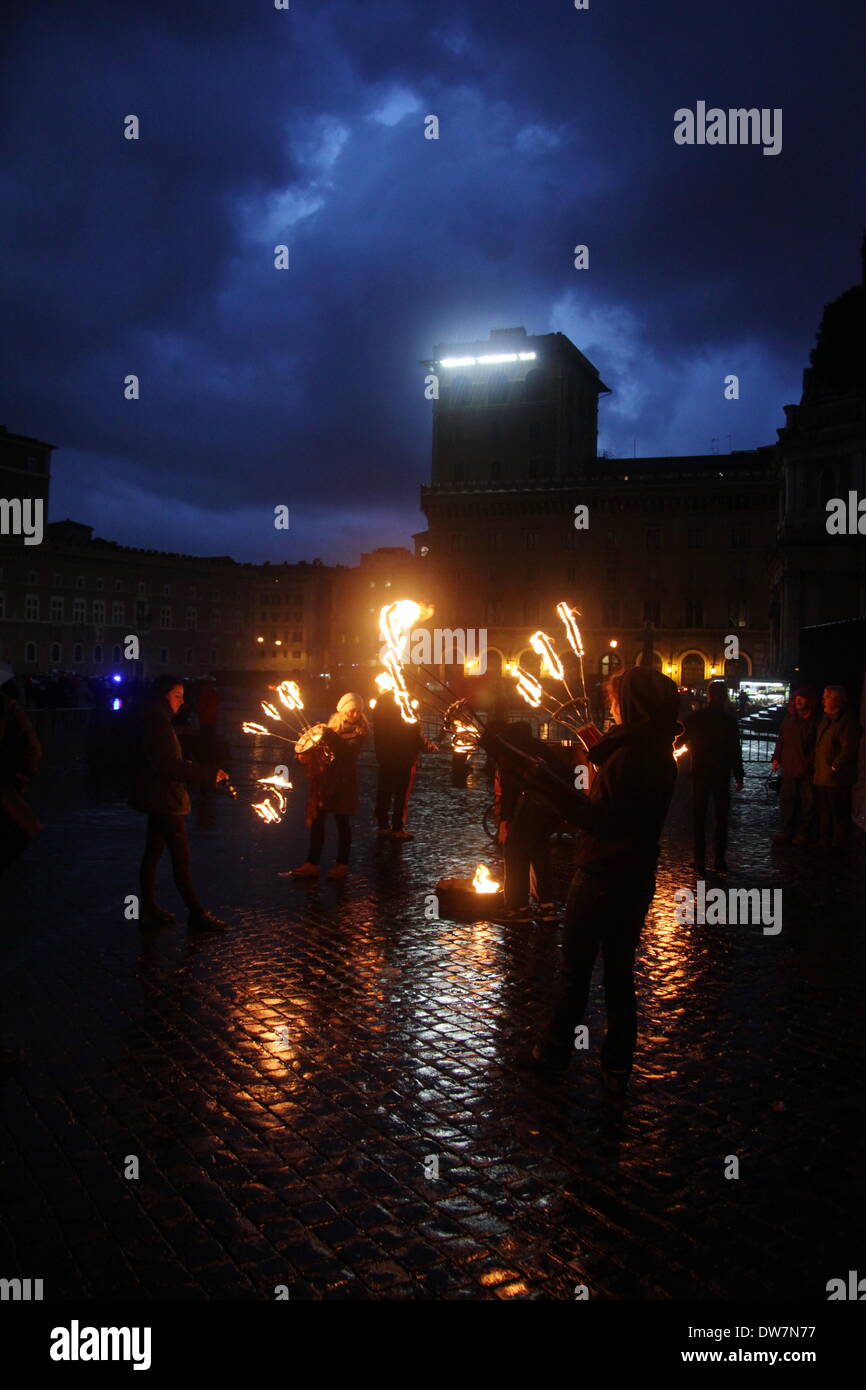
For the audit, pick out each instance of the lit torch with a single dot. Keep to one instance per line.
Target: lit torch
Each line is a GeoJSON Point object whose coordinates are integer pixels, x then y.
{"type": "Point", "coordinates": [551, 665]}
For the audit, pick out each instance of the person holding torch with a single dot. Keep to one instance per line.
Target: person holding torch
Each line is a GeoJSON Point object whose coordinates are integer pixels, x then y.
{"type": "Point", "coordinates": [614, 883]}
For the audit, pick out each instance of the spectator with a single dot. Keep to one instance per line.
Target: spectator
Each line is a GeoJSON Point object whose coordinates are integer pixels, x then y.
{"type": "Point", "coordinates": [836, 752]}
{"type": "Point", "coordinates": [795, 754]}
{"type": "Point", "coordinates": [712, 737]}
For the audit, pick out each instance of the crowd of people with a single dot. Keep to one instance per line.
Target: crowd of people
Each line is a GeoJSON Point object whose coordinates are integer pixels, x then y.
{"type": "Point", "coordinates": [618, 812]}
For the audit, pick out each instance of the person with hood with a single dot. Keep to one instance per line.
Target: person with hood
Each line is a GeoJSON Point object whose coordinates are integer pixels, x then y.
{"type": "Point", "coordinates": [795, 754]}
{"type": "Point", "coordinates": [20, 759]}
{"type": "Point", "coordinates": [398, 746]}
{"type": "Point", "coordinates": [713, 738]}
{"type": "Point", "coordinates": [836, 756]}
{"type": "Point", "coordinates": [331, 764]}
{"type": "Point", "coordinates": [160, 776]}
{"type": "Point", "coordinates": [620, 818]}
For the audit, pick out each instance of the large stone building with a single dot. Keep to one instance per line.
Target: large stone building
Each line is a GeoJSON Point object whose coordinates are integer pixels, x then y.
{"type": "Point", "coordinates": [669, 559]}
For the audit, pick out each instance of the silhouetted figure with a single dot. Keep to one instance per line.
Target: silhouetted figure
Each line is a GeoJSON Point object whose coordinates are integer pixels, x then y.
{"type": "Point", "coordinates": [526, 824]}
{"type": "Point", "coordinates": [20, 760]}
{"type": "Point", "coordinates": [836, 753]}
{"type": "Point", "coordinates": [713, 738]}
{"type": "Point", "coordinates": [398, 746]}
{"type": "Point", "coordinates": [794, 753]}
{"type": "Point", "coordinates": [160, 775]}
{"type": "Point", "coordinates": [621, 820]}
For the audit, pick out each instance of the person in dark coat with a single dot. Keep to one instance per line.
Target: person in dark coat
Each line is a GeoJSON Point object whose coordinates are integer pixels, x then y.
{"type": "Point", "coordinates": [160, 775]}
{"type": "Point", "coordinates": [20, 760]}
{"type": "Point", "coordinates": [332, 766]}
{"type": "Point", "coordinates": [398, 746]}
{"type": "Point", "coordinates": [836, 754]}
{"type": "Point", "coordinates": [526, 823]}
{"type": "Point", "coordinates": [617, 852]}
{"type": "Point", "coordinates": [794, 753]}
{"type": "Point", "coordinates": [713, 739]}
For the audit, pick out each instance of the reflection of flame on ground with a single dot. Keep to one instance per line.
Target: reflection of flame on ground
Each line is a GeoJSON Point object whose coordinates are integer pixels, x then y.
{"type": "Point", "coordinates": [482, 882]}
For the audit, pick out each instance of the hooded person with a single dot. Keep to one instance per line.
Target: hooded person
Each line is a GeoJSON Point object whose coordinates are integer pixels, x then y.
{"type": "Point", "coordinates": [836, 761]}
{"type": "Point", "coordinates": [526, 823]}
{"type": "Point", "coordinates": [621, 819]}
{"type": "Point", "coordinates": [332, 767]}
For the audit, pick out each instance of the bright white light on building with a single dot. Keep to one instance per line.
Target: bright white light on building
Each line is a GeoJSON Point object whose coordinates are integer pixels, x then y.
{"type": "Point", "coordinates": [488, 359]}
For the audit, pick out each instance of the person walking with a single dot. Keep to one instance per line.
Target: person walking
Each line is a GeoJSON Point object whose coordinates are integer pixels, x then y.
{"type": "Point", "coordinates": [617, 852]}
{"type": "Point", "coordinates": [836, 753]}
{"type": "Point", "coordinates": [20, 760]}
{"type": "Point", "coordinates": [713, 739]}
{"type": "Point", "coordinates": [398, 746]}
{"type": "Point", "coordinates": [794, 753]}
{"type": "Point", "coordinates": [160, 776]}
{"type": "Point", "coordinates": [332, 767]}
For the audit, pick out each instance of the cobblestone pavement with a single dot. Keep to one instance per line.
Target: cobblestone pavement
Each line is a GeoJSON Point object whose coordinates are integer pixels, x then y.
{"type": "Point", "coordinates": [307, 1164]}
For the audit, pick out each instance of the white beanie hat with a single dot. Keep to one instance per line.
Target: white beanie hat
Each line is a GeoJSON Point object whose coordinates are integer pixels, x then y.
{"type": "Point", "coordinates": [349, 701]}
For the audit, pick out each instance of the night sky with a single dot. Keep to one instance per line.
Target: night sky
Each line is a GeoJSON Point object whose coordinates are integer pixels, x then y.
{"type": "Point", "coordinates": [306, 127]}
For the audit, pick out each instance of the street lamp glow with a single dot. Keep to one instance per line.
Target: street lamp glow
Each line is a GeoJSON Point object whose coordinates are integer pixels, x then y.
{"type": "Point", "coordinates": [614, 642]}
{"type": "Point", "coordinates": [260, 639]}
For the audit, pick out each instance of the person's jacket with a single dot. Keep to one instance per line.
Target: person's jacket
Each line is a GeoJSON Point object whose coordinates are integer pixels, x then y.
{"type": "Point", "coordinates": [795, 746]}
{"type": "Point", "coordinates": [714, 740]}
{"type": "Point", "coordinates": [836, 750]}
{"type": "Point", "coordinates": [623, 813]}
{"type": "Point", "coordinates": [332, 768]}
{"type": "Point", "coordinates": [395, 741]}
{"type": "Point", "coordinates": [159, 772]}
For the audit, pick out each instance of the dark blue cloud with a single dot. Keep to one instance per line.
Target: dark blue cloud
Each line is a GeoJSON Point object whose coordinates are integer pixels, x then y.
{"type": "Point", "coordinates": [306, 127]}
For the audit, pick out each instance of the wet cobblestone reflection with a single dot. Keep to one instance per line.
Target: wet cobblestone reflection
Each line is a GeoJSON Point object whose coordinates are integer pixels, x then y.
{"type": "Point", "coordinates": [326, 1096]}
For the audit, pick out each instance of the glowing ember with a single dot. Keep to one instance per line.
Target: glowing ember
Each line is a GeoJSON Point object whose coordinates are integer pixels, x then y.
{"type": "Point", "coordinates": [572, 631]}
{"type": "Point", "coordinates": [550, 662]}
{"type": "Point", "coordinates": [482, 882]}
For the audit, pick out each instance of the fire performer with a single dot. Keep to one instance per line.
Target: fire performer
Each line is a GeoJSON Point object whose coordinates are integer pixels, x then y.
{"type": "Point", "coordinates": [614, 883]}
{"type": "Point", "coordinates": [526, 824]}
{"type": "Point", "coordinates": [398, 746]}
{"type": "Point", "coordinates": [331, 763]}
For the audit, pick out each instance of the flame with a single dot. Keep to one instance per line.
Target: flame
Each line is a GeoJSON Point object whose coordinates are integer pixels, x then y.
{"type": "Point", "coordinates": [465, 738]}
{"type": "Point", "coordinates": [384, 681]}
{"type": "Point", "coordinates": [482, 882]}
{"type": "Point", "coordinates": [290, 695]}
{"type": "Point", "coordinates": [683, 748]}
{"type": "Point", "coordinates": [550, 662]}
{"type": "Point", "coordinates": [267, 811]}
{"type": "Point", "coordinates": [248, 728]}
{"type": "Point", "coordinates": [572, 631]}
{"type": "Point", "coordinates": [277, 781]}
{"type": "Point", "coordinates": [271, 711]}
{"type": "Point", "coordinates": [528, 687]}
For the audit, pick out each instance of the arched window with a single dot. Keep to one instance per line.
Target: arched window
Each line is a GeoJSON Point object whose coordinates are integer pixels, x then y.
{"type": "Point", "coordinates": [610, 662]}
{"type": "Point", "coordinates": [97, 656]}
{"type": "Point", "coordinates": [56, 654]}
{"type": "Point", "coordinates": [30, 653]}
{"type": "Point", "coordinates": [77, 653]}
{"type": "Point", "coordinates": [692, 669]}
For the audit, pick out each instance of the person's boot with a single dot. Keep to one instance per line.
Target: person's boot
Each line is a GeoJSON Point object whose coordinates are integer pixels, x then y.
{"type": "Point", "coordinates": [205, 921]}
{"type": "Point", "coordinates": [615, 1079]}
{"type": "Point", "coordinates": [542, 1057]}
{"type": "Point", "coordinates": [305, 870]}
